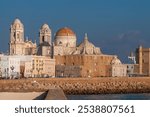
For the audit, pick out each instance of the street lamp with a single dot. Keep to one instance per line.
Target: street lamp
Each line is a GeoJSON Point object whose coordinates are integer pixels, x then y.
{"type": "Point", "coordinates": [6, 72]}
{"type": "Point", "coordinates": [12, 68]}
{"type": "Point", "coordinates": [31, 73]}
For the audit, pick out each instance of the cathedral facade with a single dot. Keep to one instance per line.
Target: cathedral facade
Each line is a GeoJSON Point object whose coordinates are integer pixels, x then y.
{"type": "Point", "coordinates": [45, 38]}
{"type": "Point", "coordinates": [18, 45]}
{"type": "Point", "coordinates": [65, 42]}
{"type": "Point", "coordinates": [71, 59]}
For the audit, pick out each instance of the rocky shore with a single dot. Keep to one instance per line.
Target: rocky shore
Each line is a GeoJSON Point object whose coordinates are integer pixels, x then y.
{"type": "Point", "coordinates": [79, 85]}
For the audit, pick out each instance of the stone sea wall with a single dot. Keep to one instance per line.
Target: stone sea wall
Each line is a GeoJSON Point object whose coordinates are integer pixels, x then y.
{"type": "Point", "coordinates": [79, 85]}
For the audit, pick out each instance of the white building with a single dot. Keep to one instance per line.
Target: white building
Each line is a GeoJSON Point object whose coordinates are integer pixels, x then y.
{"type": "Point", "coordinates": [118, 69]}
{"type": "Point", "coordinates": [13, 65]}
{"type": "Point", "coordinates": [29, 65]}
{"type": "Point", "coordinates": [10, 66]}
{"type": "Point", "coordinates": [1, 65]}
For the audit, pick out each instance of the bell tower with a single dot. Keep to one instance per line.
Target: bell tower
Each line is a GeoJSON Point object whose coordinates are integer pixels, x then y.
{"type": "Point", "coordinates": [16, 38]}
{"type": "Point", "coordinates": [45, 34]}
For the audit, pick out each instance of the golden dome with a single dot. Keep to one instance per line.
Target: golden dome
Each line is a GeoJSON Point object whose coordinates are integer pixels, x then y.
{"type": "Point", "coordinates": [65, 32]}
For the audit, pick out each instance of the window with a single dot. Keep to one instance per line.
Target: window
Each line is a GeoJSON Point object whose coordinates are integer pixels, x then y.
{"type": "Point", "coordinates": [17, 36]}
{"type": "Point", "coordinates": [14, 35]}
{"type": "Point", "coordinates": [60, 42]}
{"type": "Point", "coordinates": [43, 39]}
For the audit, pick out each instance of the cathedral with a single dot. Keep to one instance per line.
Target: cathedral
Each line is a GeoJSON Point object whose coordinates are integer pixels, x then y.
{"type": "Point", "coordinates": [18, 45]}
{"type": "Point", "coordinates": [69, 58]}
{"type": "Point", "coordinates": [65, 42]}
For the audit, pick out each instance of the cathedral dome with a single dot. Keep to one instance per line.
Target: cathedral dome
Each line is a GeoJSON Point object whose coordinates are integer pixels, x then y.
{"type": "Point", "coordinates": [65, 32]}
{"type": "Point", "coordinates": [65, 37]}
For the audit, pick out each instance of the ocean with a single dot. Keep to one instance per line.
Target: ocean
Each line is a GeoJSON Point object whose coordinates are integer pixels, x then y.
{"type": "Point", "coordinates": [141, 96]}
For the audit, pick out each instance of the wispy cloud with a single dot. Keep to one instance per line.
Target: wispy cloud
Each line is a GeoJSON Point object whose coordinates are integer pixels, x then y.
{"type": "Point", "coordinates": [122, 44]}
{"type": "Point", "coordinates": [129, 35]}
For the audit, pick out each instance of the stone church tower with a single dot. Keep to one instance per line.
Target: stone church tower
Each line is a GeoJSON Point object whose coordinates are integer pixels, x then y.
{"type": "Point", "coordinates": [45, 34]}
{"type": "Point", "coordinates": [17, 45]}
{"type": "Point", "coordinates": [45, 46]}
{"type": "Point", "coordinates": [16, 38]}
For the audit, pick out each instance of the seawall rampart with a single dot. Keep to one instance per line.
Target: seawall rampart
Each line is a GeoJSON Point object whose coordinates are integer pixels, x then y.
{"type": "Point", "coordinates": [79, 85]}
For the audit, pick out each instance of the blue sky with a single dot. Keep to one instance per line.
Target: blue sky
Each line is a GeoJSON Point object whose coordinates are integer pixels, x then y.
{"type": "Point", "coordinates": [117, 26]}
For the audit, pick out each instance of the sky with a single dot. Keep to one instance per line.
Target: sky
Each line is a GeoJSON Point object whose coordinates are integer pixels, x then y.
{"type": "Point", "coordinates": [116, 26]}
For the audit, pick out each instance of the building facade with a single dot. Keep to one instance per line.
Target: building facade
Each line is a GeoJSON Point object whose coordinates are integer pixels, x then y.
{"type": "Point", "coordinates": [18, 45]}
{"type": "Point", "coordinates": [27, 66]}
{"type": "Point", "coordinates": [118, 69]}
{"type": "Point", "coordinates": [40, 66]}
{"type": "Point", "coordinates": [45, 38]}
{"type": "Point", "coordinates": [132, 70]}
{"type": "Point", "coordinates": [143, 60]}
{"type": "Point", "coordinates": [83, 65]}
{"type": "Point", "coordinates": [10, 66]}
{"type": "Point", "coordinates": [1, 55]}
{"type": "Point", "coordinates": [65, 44]}
{"type": "Point", "coordinates": [71, 59]}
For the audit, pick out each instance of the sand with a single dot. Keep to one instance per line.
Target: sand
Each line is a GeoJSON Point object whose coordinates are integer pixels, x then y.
{"type": "Point", "coordinates": [20, 96]}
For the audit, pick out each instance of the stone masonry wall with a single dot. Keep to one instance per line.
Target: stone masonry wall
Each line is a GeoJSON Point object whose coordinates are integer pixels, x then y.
{"type": "Point", "coordinates": [79, 85]}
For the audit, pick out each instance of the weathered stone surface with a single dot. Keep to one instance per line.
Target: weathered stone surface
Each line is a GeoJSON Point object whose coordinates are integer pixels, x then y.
{"type": "Point", "coordinates": [79, 85]}
{"type": "Point", "coordinates": [55, 94]}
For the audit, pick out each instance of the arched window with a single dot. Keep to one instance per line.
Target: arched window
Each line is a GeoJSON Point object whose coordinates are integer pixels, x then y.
{"type": "Point", "coordinates": [43, 39]}
{"type": "Point", "coordinates": [12, 51]}
{"type": "Point", "coordinates": [17, 36]}
{"type": "Point", "coordinates": [14, 35]}
{"type": "Point", "coordinates": [60, 42]}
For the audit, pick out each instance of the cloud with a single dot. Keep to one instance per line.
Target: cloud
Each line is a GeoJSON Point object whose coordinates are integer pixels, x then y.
{"type": "Point", "coordinates": [129, 35]}
{"type": "Point", "coordinates": [124, 43]}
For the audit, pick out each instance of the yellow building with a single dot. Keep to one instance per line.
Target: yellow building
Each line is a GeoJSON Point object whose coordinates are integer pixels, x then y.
{"type": "Point", "coordinates": [143, 59]}
{"type": "Point", "coordinates": [40, 66]}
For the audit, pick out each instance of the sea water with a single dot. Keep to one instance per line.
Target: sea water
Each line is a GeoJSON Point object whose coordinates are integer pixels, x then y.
{"type": "Point", "coordinates": [142, 96]}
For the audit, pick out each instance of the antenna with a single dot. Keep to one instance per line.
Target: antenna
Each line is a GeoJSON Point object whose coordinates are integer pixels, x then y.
{"type": "Point", "coordinates": [132, 57]}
